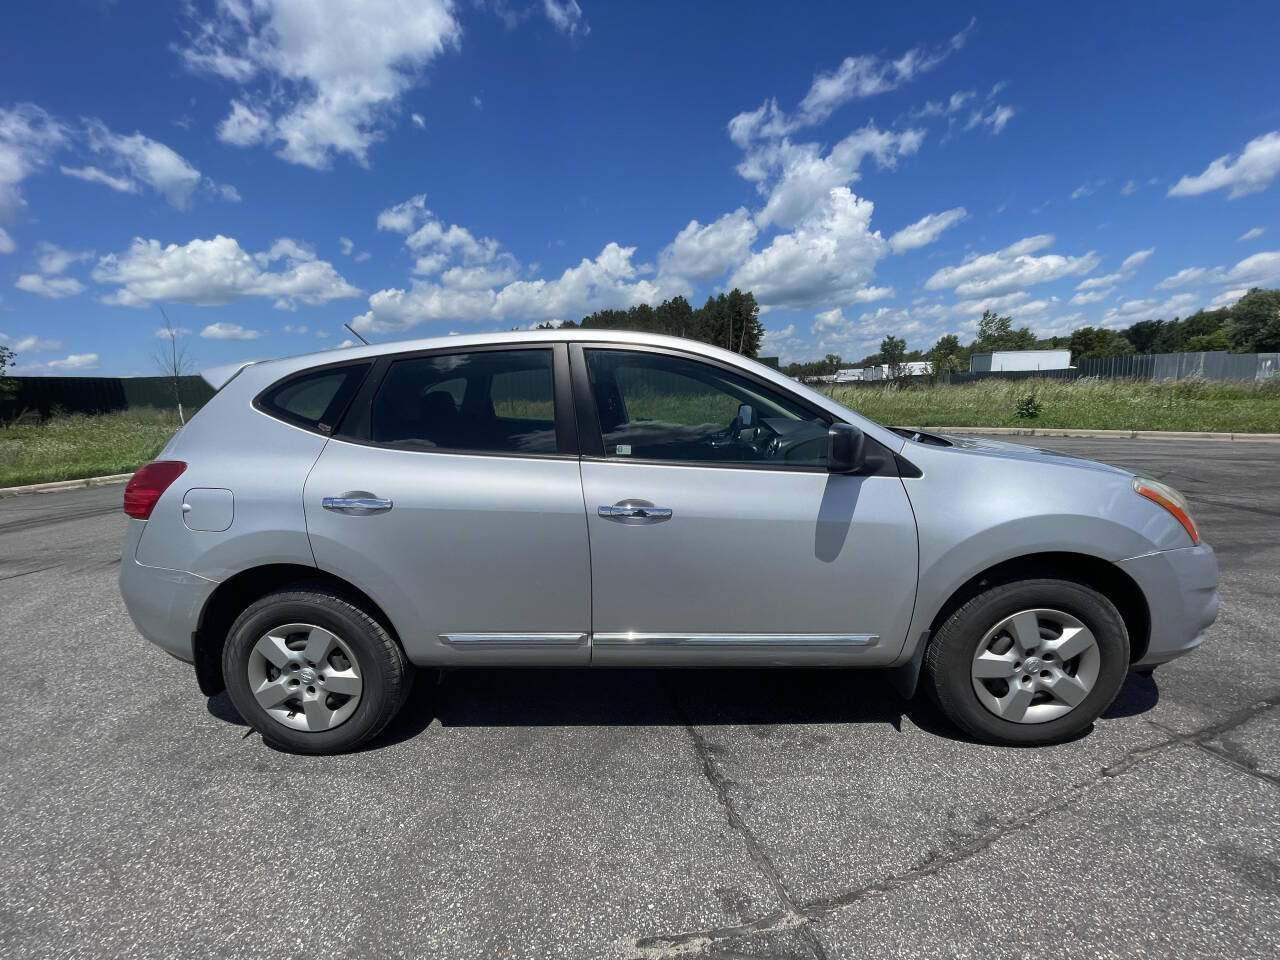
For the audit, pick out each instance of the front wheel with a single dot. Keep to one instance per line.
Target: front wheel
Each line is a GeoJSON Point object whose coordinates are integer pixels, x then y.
{"type": "Point", "coordinates": [1029, 662]}
{"type": "Point", "coordinates": [312, 672]}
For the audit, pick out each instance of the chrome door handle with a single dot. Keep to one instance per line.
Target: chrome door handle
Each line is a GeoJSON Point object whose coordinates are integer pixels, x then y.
{"type": "Point", "coordinates": [357, 506]}
{"type": "Point", "coordinates": [635, 511]}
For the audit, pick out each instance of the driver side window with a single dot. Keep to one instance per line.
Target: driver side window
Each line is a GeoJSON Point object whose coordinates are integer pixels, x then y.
{"type": "Point", "coordinates": [655, 406]}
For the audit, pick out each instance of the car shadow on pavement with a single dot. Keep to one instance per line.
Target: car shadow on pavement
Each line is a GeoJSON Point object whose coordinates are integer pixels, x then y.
{"type": "Point", "coordinates": [551, 697]}
{"type": "Point", "coordinates": [640, 697]}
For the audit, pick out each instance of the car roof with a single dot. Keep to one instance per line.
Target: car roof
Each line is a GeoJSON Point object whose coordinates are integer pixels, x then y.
{"type": "Point", "coordinates": [219, 375]}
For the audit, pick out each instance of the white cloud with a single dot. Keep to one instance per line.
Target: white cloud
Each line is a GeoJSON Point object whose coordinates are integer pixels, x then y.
{"type": "Point", "coordinates": [296, 328]}
{"type": "Point", "coordinates": [1009, 269]}
{"type": "Point", "coordinates": [418, 120]}
{"type": "Point", "coordinates": [28, 138]}
{"type": "Point", "coordinates": [347, 244]}
{"type": "Point", "coordinates": [52, 259]}
{"type": "Point", "coordinates": [700, 253]}
{"type": "Point", "coordinates": [229, 331]}
{"type": "Point", "coordinates": [933, 108]}
{"type": "Point", "coordinates": [1127, 268]}
{"type": "Point", "coordinates": [1092, 296]}
{"type": "Point", "coordinates": [610, 280]}
{"type": "Point", "coordinates": [225, 191]}
{"type": "Point", "coordinates": [328, 75]}
{"type": "Point", "coordinates": [855, 78]}
{"type": "Point", "coordinates": [1227, 298]}
{"type": "Point", "coordinates": [828, 258]}
{"type": "Point", "coordinates": [1253, 233]}
{"type": "Point", "coordinates": [1087, 189]}
{"type": "Point", "coordinates": [1260, 268]}
{"type": "Point", "coordinates": [244, 125]}
{"type": "Point", "coordinates": [1250, 172]}
{"type": "Point", "coordinates": [926, 230]}
{"type": "Point", "coordinates": [164, 333]}
{"type": "Point", "coordinates": [995, 119]}
{"type": "Point", "coordinates": [75, 361]}
{"type": "Point", "coordinates": [566, 16]}
{"type": "Point", "coordinates": [55, 288]}
{"type": "Point", "coordinates": [436, 245]}
{"type": "Point", "coordinates": [31, 343]}
{"type": "Point", "coordinates": [90, 174]}
{"type": "Point", "coordinates": [6, 242]}
{"type": "Point", "coordinates": [1130, 187]}
{"type": "Point", "coordinates": [805, 176]}
{"type": "Point", "coordinates": [218, 271]}
{"type": "Point", "coordinates": [139, 159]}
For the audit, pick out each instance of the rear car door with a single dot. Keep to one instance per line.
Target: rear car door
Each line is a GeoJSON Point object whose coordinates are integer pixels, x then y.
{"type": "Point", "coordinates": [717, 534]}
{"type": "Point", "coordinates": [451, 495]}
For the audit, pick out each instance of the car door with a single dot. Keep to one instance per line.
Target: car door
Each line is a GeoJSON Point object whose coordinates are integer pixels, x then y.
{"type": "Point", "coordinates": [451, 495]}
{"type": "Point", "coordinates": [717, 534]}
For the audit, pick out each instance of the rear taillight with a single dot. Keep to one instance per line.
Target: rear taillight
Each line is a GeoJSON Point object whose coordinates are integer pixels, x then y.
{"type": "Point", "coordinates": [148, 485]}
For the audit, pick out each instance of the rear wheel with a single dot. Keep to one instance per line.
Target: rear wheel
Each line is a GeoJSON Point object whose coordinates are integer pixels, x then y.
{"type": "Point", "coordinates": [312, 672]}
{"type": "Point", "coordinates": [1029, 662]}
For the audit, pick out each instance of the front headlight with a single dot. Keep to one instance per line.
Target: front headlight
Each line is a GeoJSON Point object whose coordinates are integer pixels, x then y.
{"type": "Point", "coordinates": [1171, 500]}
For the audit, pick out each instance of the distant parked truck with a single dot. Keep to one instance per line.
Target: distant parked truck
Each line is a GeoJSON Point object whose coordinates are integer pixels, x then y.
{"type": "Point", "coordinates": [1002, 360]}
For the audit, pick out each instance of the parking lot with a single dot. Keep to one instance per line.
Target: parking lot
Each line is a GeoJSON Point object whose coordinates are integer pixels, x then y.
{"type": "Point", "coordinates": [555, 813]}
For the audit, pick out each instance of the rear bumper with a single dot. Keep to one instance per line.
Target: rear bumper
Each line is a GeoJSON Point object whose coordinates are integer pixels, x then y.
{"type": "Point", "coordinates": [1181, 588]}
{"type": "Point", "coordinates": [164, 604]}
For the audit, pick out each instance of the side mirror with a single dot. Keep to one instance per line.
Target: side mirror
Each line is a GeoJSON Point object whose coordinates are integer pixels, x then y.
{"type": "Point", "coordinates": [844, 448]}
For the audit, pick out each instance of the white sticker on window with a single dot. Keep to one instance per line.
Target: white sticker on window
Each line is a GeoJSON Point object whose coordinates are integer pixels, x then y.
{"type": "Point", "coordinates": [623, 449]}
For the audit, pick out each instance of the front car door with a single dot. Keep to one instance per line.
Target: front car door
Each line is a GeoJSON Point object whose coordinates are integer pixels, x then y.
{"type": "Point", "coordinates": [717, 534]}
{"type": "Point", "coordinates": [451, 495]}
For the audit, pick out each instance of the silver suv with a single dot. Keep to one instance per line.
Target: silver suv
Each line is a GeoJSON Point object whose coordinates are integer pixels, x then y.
{"type": "Point", "coordinates": [329, 523]}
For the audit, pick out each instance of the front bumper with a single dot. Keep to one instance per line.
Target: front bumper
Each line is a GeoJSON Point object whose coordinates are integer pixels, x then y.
{"type": "Point", "coordinates": [1181, 589]}
{"type": "Point", "coordinates": [164, 604]}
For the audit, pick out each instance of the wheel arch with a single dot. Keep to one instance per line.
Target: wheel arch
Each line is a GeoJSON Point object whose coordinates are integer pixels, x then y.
{"type": "Point", "coordinates": [1103, 575]}
{"type": "Point", "coordinates": [236, 593]}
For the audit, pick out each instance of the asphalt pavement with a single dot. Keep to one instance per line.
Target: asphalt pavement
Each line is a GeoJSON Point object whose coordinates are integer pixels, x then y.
{"type": "Point", "coordinates": [640, 814]}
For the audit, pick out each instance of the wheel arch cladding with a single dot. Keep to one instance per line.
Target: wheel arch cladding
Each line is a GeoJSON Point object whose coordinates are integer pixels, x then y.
{"type": "Point", "coordinates": [1102, 575]}
{"type": "Point", "coordinates": [232, 596]}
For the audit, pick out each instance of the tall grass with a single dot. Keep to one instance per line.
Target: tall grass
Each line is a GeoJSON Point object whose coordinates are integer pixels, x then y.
{"type": "Point", "coordinates": [1090, 403]}
{"type": "Point", "coordinates": [72, 446]}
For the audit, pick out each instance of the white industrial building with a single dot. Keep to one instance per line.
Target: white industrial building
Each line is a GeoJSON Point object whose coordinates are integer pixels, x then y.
{"type": "Point", "coordinates": [1002, 360]}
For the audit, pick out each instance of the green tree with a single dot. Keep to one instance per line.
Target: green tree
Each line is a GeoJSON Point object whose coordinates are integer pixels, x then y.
{"type": "Point", "coordinates": [1090, 342]}
{"type": "Point", "coordinates": [997, 333]}
{"type": "Point", "coordinates": [833, 362]}
{"type": "Point", "coordinates": [893, 350]}
{"type": "Point", "coordinates": [7, 357]}
{"type": "Point", "coordinates": [1254, 324]}
{"type": "Point", "coordinates": [947, 356]}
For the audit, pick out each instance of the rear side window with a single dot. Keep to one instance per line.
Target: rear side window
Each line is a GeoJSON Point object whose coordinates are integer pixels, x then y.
{"type": "Point", "coordinates": [486, 401]}
{"type": "Point", "coordinates": [315, 400]}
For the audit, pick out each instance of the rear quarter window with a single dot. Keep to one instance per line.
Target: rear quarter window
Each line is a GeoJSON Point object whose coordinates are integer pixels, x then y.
{"type": "Point", "coordinates": [314, 400]}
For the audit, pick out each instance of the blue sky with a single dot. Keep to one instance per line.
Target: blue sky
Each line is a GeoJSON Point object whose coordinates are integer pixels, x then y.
{"type": "Point", "coordinates": [266, 170]}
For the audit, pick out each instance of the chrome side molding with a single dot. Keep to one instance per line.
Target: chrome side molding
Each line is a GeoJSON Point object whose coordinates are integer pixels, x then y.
{"type": "Point", "coordinates": [489, 641]}
{"type": "Point", "coordinates": [753, 641]}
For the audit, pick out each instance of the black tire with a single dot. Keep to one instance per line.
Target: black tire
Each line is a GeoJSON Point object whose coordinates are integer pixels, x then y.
{"type": "Point", "coordinates": [385, 672]}
{"type": "Point", "coordinates": [948, 661]}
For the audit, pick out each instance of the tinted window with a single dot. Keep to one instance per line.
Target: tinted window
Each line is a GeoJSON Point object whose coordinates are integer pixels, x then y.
{"type": "Point", "coordinates": [656, 406]}
{"type": "Point", "coordinates": [314, 400]}
{"type": "Point", "coordinates": [489, 401]}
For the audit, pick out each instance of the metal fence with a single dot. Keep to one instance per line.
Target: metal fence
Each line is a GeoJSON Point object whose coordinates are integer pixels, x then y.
{"type": "Point", "coordinates": [99, 394]}
{"type": "Point", "coordinates": [1210, 365]}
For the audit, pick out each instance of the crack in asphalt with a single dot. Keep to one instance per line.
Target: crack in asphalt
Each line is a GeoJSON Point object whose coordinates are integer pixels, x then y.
{"type": "Point", "coordinates": [803, 916]}
{"type": "Point", "coordinates": [788, 916]}
{"type": "Point", "coordinates": [1224, 752]}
